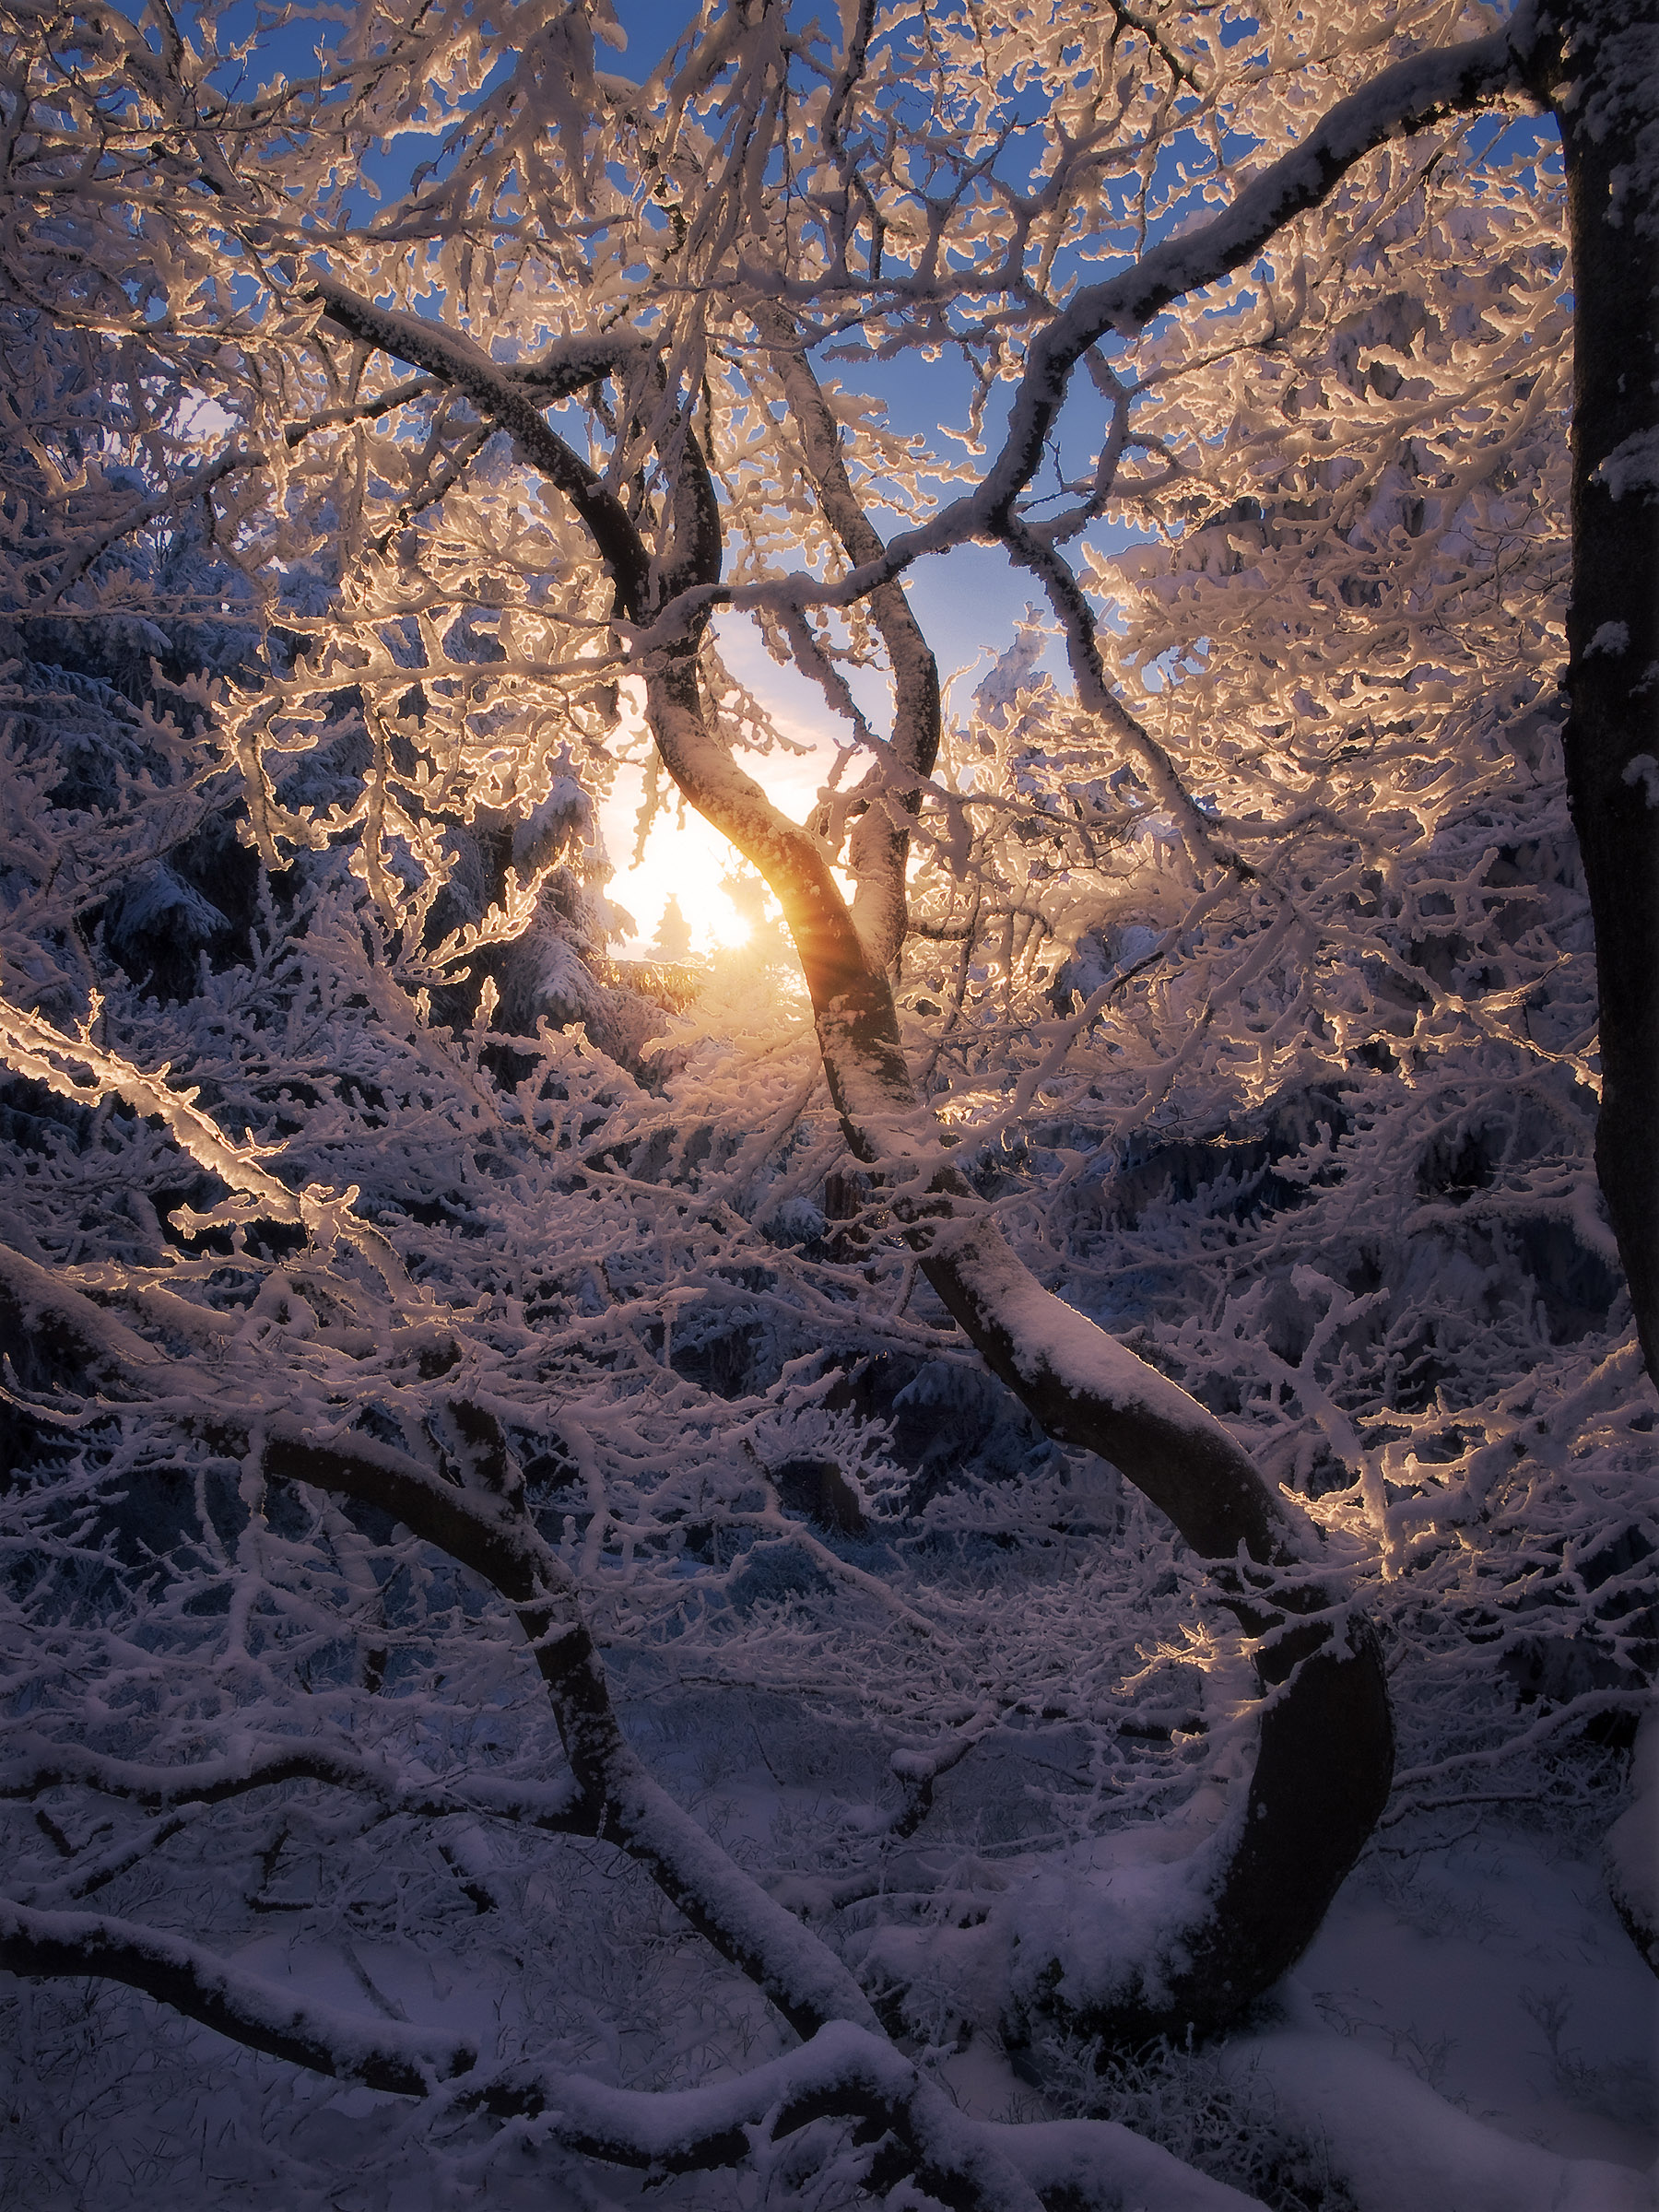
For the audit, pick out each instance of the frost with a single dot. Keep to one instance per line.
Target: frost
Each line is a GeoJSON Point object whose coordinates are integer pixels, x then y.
{"type": "Point", "coordinates": [1632, 465]}
{"type": "Point", "coordinates": [659, 1563]}
{"type": "Point", "coordinates": [1633, 1841]}
{"type": "Point", "coordinates": [157, 900]}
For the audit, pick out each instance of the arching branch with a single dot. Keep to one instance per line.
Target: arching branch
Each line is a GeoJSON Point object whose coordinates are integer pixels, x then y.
{"type": "Point", "coordinates": [263, 2014]}
{"type": "Point", "coordinates": [880, 847]}
{"type": "Point", "coordinates": [1314, 1812]}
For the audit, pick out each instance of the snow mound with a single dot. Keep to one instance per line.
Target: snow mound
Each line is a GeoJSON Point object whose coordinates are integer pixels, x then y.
{"type": "Point", "coordinates": [1401, 2148]}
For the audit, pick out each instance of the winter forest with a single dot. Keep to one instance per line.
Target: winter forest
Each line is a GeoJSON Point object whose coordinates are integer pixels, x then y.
{"type": "Point", "coordinates": [988, 1539]}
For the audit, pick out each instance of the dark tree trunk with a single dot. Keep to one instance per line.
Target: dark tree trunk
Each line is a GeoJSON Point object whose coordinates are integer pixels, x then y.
{"type": "Point", "coordinates": [1326, 1757]}
{"type": "Point", "coordinates": [1599, 72]}
{"type": "Point", "coordinates": [1603, 87]}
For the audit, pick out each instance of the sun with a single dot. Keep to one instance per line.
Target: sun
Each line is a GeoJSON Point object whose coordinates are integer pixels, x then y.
{"type": "Point", "coordinates": [684, 860]}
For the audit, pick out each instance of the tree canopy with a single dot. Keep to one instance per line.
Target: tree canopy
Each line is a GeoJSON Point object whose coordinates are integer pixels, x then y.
{"type": "Point", "coordinates": [1155, 1240]}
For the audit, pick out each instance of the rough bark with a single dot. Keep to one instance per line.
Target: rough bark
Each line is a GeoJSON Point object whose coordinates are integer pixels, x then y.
{"type": "Point", "coordinates": [1326, 1753]}
{"type": "Point", "coordinates": [842, 2072]}
{"type": "Point", "coordinates": [474, 1513]}
{"type": "Point", "coordinates": [1597, 68]}
{"type": "Point", "coordinates": [1325, 1761]}
{"type": "Point", "coordinates": [1326, 1749]}
{"type": "Point", "coordinates": [473, 1510]}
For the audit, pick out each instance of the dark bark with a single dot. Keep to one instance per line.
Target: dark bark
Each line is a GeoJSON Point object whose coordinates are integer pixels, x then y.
{"type": "Point", "coordinates": [880, 847]}
{"type": "Point", "coordinates": [1325, 1751]}
{"type": "Point", "coordinates": [1599, 71]}
{"type": "Point", "coordinates": [473, 1512]}
{"type": "Point", "coordinates": [1603, 82]}
{"type": "Point", "coordinates": [484, 1525]}
{"type": "Point", "coordinates": [845, 2073]}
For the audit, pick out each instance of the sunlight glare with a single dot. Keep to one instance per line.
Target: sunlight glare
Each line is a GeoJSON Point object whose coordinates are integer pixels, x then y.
{"type": "Point", "coordinates": [684, 858]}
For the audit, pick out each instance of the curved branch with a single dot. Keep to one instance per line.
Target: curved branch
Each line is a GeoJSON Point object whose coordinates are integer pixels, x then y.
{"type": "Point", "coordinates": [492, 1535]}
{"type": "Point", "coordinates": [1327, 1751]}
{"type": "Point", "coordinates": [497, 393]}
{"type": "Point", "coordinates": [1065, 595]}
{"type": "Point", "coordinates": [1326, 1746]}
{"type": "Point", "coordinates": [555, 1810]}
{"type": "Point", "coordinates": [484, 1526]}
{"type": "Point", "coordinates": [842, 2072]}
{"type": "Point", "coordinates": [1409, 97]}
{"type": "Point", "coordinates": [263, 2015]}
{"type": "Point", "coordinates": [880, 847]}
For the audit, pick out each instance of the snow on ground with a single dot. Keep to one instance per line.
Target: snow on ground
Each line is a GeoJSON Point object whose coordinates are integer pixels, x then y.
{"type": "Point", "coordinates": [1472, 2032]}
{"type": "Point", "coordinates": [1497, 1972]}
{"type": "Point", "coordinates": [1471, 2029]}
{"type": "Point", "coordinates": [1460, 1994]}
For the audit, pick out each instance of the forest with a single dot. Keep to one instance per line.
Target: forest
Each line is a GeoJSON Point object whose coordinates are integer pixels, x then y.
{"type": "Point", "coordinates": [992, 1541]}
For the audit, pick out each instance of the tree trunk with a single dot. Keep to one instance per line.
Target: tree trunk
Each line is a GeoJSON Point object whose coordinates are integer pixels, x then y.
{"type": "Point", "coordinates": [1602, 80]}
{"type": "Point", "coordinates": [1326, 1757]}
{"type": "Point", "coordinates": [1603, 87]}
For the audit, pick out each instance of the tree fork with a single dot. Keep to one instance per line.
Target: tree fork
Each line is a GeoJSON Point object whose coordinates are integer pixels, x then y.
{"type": "Point", "coordinates": [1325, 1758]}
{"type": "Point", "coordinates": [1326, 1752]}
{"type": "Point", "coordinates": [481, 1520]}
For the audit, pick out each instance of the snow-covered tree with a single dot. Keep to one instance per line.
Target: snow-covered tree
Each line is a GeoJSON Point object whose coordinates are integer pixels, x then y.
{"type": "Point", "coordinates": [438, 1355]}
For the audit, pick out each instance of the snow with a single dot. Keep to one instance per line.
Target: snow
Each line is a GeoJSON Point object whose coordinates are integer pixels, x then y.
{"type": "Point", "coordinates": [286, 2011]}
{"type": "Point", "coordinates": [587, 1233]}
{"type": "Point", "coordinates": [1633, 1840]}
{"type": "Point", "coordinates": [1061, 2155]}
{"type": "Point", "coordinates": [1470, 2033]}
{"type": "Point", "coordinates": [1471, 2029]}
{"type": "Point", "coordinates": [1109, 1914]}
{"type": "Point", "coordinates": [1401, 2148]}
{"type": "Point", "coordinates": [1051, 1338]}
{"type": "Point", "coordinates": [1398, 98]}
{"type": "Point", "coordinates": [1632, 465]}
